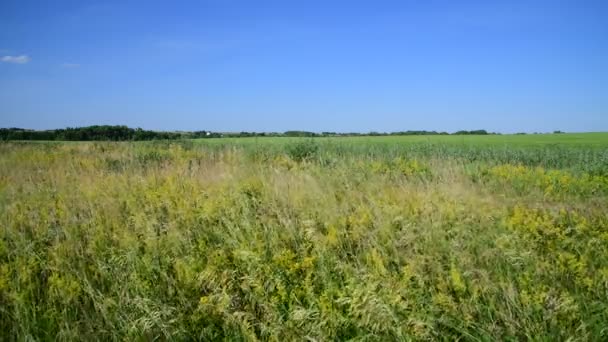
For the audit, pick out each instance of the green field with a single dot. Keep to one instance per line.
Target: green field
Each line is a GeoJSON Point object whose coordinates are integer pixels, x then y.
{"type": "Point", "coordinates": [599, 139]}
{"type": "Point", "coordinates": [501, 237]}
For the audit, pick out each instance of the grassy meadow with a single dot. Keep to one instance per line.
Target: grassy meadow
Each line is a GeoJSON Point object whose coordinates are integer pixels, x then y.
{"type": "Point", "coordinates": [366, 238]}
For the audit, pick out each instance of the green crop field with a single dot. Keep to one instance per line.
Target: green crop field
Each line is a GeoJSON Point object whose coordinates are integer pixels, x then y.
{"type": "Point", "coordinates": [499, 237]}
{"type": "Point", "coordinates": [586, 140]}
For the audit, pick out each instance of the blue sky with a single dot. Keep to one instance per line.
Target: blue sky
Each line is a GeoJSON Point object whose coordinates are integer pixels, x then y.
{"type": "Point", "coordinates": [229, 65]}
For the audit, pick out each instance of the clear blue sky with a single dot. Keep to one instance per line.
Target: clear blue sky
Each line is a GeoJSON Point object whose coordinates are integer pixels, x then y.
{"type": "Point", "coordinates": [228, 65]}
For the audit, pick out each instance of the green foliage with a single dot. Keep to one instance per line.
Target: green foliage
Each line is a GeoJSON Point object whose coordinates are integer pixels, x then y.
{"type": "Point", "coordinates": [90, 133]}
{"type": "Point", "coordinates": [302, 150]}
{"type": "Point", "coordinates": [301, 239]}
{"type": "Point", "coordinates": [475, 132]}
{"type": "Point", "coordinates": [551, 183]}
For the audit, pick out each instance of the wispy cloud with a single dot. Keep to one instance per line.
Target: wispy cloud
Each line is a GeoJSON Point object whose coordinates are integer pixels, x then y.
{"type": "Point", "coordinates": [70, 65]}
{"type": "Point", "coordinates": [15, 59]}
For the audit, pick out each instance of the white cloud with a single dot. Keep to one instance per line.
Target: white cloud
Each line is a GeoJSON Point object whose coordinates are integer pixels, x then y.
{"type": "Point", "coordinates": [70, 65]}
{"type": "Point", "coordinates": [15, 59]}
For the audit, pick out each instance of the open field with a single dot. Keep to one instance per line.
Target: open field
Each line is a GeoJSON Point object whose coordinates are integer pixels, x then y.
{"type": "Point", "coordinates": [586, 140]}
{"type": "Point", "coordinates": [370, 238]}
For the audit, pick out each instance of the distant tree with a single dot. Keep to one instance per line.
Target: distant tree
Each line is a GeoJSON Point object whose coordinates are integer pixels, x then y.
{"type": "Point", "coordinates": [475, 132]}
{"type": "Point", "coordinates": [415, 133]}
{"type": "Point", "coordinates": [111, 133]}
{"type": "Point", "coordinates": [299, 134]}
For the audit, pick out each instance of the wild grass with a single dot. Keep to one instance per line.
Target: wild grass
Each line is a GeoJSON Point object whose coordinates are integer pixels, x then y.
{"type": "Point", "coordinates": [315, 240]}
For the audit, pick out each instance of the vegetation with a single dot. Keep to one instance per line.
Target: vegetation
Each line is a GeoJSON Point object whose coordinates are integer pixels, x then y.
{"type": "Point", "coordinates": [365, 238]}
{"type": "Point", "coordinates": [476, 132]}
{"type": "Point", "coordinates": [97, 133]}
{"type": "Point", "coordinates": [124, 133]}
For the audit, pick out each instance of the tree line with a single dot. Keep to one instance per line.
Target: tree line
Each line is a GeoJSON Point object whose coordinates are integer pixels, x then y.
{"type": "Point", "coordinates": [98, 133]}
{"type": "Point", "coordinates": [124, 133]}
{"type": "Point", "coordinates": [350, 134]}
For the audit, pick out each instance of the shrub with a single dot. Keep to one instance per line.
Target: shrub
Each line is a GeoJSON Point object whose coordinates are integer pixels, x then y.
{"type": "Point", "coordinates": [302, 150]}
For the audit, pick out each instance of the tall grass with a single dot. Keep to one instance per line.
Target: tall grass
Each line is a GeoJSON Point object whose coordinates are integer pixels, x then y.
{"type": "Point", "coordinates": [302, 241]}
